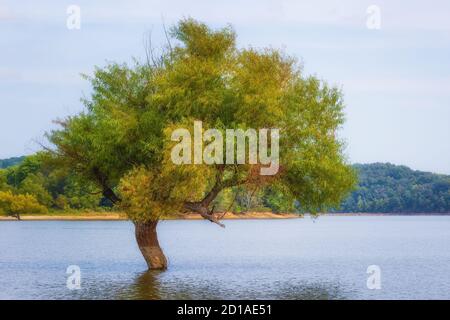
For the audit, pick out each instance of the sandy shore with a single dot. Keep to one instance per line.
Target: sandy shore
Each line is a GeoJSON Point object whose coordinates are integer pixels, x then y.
{"type": "Point", "coordinates": [119, 216]}
{"type": "Point", "coordinates": [97, 216]}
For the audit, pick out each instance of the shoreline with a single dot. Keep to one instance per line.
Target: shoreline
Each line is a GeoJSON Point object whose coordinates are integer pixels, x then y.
{"type": "Point", "coordinates": [95, 216]}
{"type": "Point", "coordinates": [122, 217]}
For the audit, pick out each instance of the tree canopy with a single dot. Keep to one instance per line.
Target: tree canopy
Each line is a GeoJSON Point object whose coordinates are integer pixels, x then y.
{"type": "Point", "coordinates": [17, 204]}
{"type": "Point", "coordinates": [121, 142]}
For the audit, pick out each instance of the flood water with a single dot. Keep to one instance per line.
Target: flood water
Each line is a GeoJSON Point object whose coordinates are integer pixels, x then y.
{"type": "Point", "coordinates": [326, 258]}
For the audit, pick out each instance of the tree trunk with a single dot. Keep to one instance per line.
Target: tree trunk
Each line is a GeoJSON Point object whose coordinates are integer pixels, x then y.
{"type": "Point", "coordinates": [147, 240]}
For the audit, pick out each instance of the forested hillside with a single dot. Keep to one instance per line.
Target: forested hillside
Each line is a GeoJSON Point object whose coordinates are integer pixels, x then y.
{"type": "Point", "coordinates": [10, 162]}
{"type": "Point", "coordinates": [382, 188]}
{"type": "Point", "coordinates": [388, 188]}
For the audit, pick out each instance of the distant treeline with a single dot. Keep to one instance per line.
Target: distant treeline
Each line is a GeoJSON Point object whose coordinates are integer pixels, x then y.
{"type": "Point", "coordinates": [389, 188]}
{"type": "Point", "coordinates": [10, 162]}
{"type": "Point", "coordinates": [46, 184]}
{"type": "Point", "coordinates": [382, 188]}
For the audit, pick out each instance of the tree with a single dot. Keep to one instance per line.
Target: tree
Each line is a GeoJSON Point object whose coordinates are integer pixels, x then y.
{"type": "Point", "coordinates": [17, 204]}
{"type": "Point", "coordinates": [4, 186]}
{"type": "Point", "coordinates": [122, 141]}
{"type": "Point", "coordinates": [274, 199]}
{"type": "Point", "coordinates": [34, 184]}
{"type": "Point", "coordinates": [29, 165]}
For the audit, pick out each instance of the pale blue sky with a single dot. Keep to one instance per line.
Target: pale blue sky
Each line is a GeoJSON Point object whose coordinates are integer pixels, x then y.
{"type": "Point", "coordinates": [396, 80]}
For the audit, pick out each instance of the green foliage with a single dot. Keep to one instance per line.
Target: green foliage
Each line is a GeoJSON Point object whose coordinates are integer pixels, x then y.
{"type": "Point", "coordinates": [29, 165]}
{"type": "Point", "coordinates": [61, 202]}
{"type": "Point", "coordinates": [34, 184]}
{"type": "Point", "coordinates": [120, 142]}
{"type": "Point", "coordinates": [4, 186]}
{"type": "Point", "coordinates": [143, 199]}
{"type": "Point", "coordinates": [226, 201]}
{"type": "Point", "coordinates": [37, 176]}
{"type": "Point", "coordinates": [14, 205]}
{"type": "Point", "coordinates": [78, 193]}
{"type": "Point", "coordinates": [274, 197]}
{"type": "Point", "coordinates": [388, 188]}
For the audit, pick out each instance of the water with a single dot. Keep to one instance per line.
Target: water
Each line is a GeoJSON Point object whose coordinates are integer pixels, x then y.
{"type": "Point", "coordinates": [325, 258]}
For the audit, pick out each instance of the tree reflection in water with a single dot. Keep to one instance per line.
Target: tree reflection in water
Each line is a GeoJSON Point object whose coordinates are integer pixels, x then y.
{"type": "Point", "coordinates": [155, 285]}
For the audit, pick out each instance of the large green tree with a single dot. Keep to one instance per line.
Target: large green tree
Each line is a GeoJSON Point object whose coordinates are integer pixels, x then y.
{"type": "Point", "coordinates": [122, 141]}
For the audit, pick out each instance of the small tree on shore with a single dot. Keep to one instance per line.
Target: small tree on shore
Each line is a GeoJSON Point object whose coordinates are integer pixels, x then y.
{"type": "Point", "coordinates": [122, 140]}
{"type": "Point", "coordinates": [16, 204]}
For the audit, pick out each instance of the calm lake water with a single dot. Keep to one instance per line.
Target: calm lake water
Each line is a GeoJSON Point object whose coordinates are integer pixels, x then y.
{"type": "Point", "coordinates": [326, 258]}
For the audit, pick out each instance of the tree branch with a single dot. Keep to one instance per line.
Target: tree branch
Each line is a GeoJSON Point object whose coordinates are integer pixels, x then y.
{"type": "Point", "coordinates": [106, 189]}
{"type": "Point", "coordinates": [201, 207]}
{"type": "Point", "coordinates": [203, 211]}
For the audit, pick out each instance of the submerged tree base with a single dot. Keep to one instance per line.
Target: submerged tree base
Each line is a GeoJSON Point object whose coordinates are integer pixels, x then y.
{"type": "Point", "coordinates": [147, 239]}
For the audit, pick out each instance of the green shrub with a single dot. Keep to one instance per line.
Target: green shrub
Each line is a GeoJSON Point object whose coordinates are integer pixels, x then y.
{"type": "Point", "coordinates": [17, 204]}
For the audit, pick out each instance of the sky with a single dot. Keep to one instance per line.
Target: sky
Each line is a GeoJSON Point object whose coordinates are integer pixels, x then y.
{"type": "Point", "coordinates": [393, 64]}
